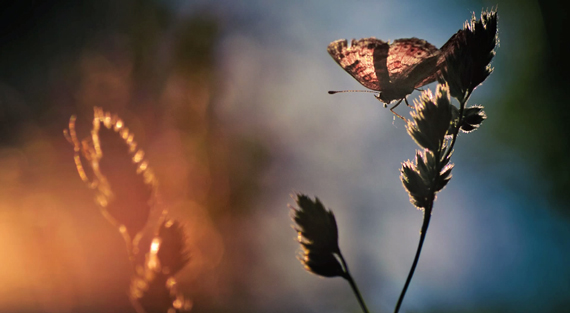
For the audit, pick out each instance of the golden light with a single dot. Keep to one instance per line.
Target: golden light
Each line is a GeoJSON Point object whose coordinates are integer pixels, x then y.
{"type": "Point", "coordinates": [155, 245]}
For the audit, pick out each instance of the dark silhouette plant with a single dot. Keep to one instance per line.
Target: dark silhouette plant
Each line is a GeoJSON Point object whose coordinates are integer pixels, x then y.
{"type": "Point", "coordinates": [434, 125]}
{"type": "Point", "coordinates": [318, 236]}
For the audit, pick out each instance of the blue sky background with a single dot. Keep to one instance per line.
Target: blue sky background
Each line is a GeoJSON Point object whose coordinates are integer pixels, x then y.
{"type": "Point", "coordinates": [493, 241]}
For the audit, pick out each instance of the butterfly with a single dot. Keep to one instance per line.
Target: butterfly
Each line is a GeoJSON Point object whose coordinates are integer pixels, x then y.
{"type": "Point", "coordinates": [394, 70]}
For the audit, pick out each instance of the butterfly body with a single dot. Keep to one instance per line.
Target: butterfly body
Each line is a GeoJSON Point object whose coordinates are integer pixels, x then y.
{"type": "Point", "coordinates": [394, 70]}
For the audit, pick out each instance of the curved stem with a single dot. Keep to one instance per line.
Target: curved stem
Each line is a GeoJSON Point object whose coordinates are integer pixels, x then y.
{"type": "Point", "coordinates": [352, 283]}
{"type": "Point", "coordinates": [428, 209]}
{"type": "Point", "coordinates": [425, 224]}
{"type": "Point", "coordinates": [456, 132]}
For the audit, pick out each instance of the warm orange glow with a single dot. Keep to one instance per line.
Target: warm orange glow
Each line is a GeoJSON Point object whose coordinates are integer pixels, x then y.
{"type": "Point", "coordinates": [155, 245]}
{"type": "Point", "coordinates": [138, 156]}
{"type": "Point", "coordinates": [152, 259]}
{"type": "Point", "coordinates": [60, 252]}
{"type": "Point", "coordinates": [177, 304]}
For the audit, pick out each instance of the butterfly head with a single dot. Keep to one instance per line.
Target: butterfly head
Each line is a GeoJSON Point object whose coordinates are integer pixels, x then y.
{"type": "Point", "coordinates": [387, 96]}
{"type": "Point", "coordinates": [380, 98]}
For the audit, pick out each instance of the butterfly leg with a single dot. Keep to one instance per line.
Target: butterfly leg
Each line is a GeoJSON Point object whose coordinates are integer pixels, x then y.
{"type": "Point", "coordinates": [395, 105]}
{"type": "Point", "coordinates": [406, 99]}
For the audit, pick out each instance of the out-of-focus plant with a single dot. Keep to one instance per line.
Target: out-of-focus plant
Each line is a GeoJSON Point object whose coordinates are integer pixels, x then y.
{"type": "Point", "coordinates": [110, 162]}
{"type": "Point", "coordinates": [434, 125]}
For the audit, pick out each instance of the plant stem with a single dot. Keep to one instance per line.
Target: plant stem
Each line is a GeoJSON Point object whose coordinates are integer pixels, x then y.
{"type": "Point", "coordinates": [428, 210]}
{"type": "Point", "coordinates": [423, 231]}
{"type": "Point", "coordinates": [353, 285]}
{"type": "Point", "coordinates": [456, 132]}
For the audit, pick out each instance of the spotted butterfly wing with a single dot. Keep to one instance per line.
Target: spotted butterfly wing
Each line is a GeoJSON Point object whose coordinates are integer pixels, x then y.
{"type": "Point", "coordinates": [412, 62]}
{"type": "Point", "coordinates": [359, 60]}
{"type": "Point", "coordinates": [394, 70]}
{"type": "Point", "coordinates": [445, 50]}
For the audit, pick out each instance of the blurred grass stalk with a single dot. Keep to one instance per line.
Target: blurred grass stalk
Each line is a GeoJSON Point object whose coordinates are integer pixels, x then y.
{"type": "Point", "coordinates": [126, 191]}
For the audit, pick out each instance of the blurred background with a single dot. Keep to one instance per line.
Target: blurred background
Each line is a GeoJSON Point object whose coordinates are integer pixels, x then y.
{"type": "Point", "coordinates": [229, 101]}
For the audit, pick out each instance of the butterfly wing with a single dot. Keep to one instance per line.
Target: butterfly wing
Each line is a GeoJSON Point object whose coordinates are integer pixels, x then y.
{"type": "Point", "coordinates": [451, 44]}
{"type": "Point", "coordinates": [428, 69]}
{"type": "Point", "coordinates": [412, 62]}
{"type": "Point", "coordinates": [365, 60]}
{"type": "Point", "coordinates": [446, 49]}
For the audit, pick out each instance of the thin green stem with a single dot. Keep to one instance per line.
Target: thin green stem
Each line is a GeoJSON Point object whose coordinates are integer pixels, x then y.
{"type": "Point", "coordinates": [425, 225]}
{"type": "Point", "coordinates": [353, 285]}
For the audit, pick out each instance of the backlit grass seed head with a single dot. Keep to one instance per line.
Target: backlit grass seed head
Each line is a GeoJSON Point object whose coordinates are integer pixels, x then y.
{"type": "Point", "coordinates": [424, 177]}
{"type": "Point", "coordinates": [472, 118]}
{"type": "Point", "coordinates": [414, 184]}
{"type": "Point", "coordinates": [125, 186]}
{"type": "Point", "coordinates": [321, 263]}
{"type": "Point", "coordinates": [469, 53]}
{"type": "Point", "coordinates": [430, 172]}
{"type": "Point", "coordinates": [318, 236]}
{"type": "Point", "coordinates": [431, 119]}
{"type": "Point", "coordinates": [172, 253]}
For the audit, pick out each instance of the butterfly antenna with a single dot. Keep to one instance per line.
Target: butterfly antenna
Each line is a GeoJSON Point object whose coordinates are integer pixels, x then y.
{"type": "Point", "coordinates": [332, 92]}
